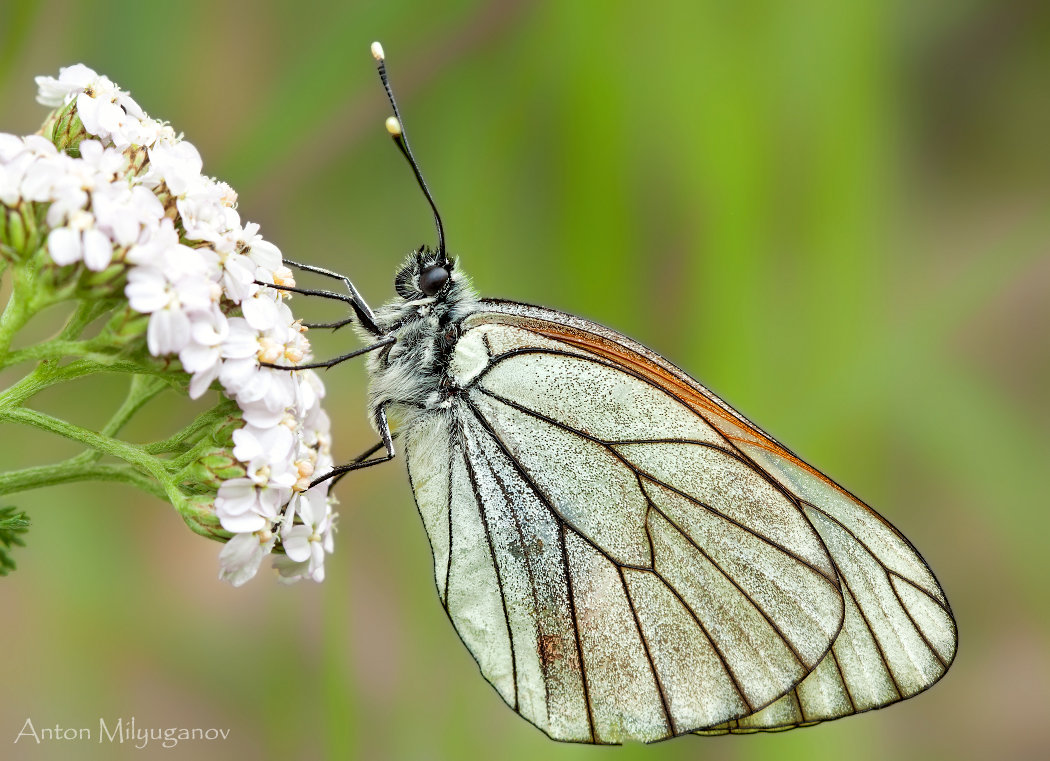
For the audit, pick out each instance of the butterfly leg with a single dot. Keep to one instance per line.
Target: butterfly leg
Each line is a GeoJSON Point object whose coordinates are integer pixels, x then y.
{"type": "Point", "coordinates": [362, 312]}
{"type": "Point", "coordinates": [361, 308]}
{"type": "Point", "coordinates": [384, 341]}
{"type": "Point", "coordinates": [362, 461]}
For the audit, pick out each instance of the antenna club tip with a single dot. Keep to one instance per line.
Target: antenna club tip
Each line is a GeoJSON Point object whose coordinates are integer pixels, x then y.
{"type": "Point", "coordinates": [393, 126]}
{"type": "Point", "coordinates": [377, 52]}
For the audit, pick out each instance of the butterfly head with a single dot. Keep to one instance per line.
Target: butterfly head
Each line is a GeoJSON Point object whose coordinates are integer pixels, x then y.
{"type": "Point", "coordinates": [428, 289]}
{"type": "Point", "coordinates": [424, 275]}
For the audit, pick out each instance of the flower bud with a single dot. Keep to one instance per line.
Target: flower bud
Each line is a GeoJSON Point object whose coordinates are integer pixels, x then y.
{"type": "Point", "coordinates": [222, 434]}
{"type": "Point", "coordinates": [66, 129]}
{"type": "Point", "coordinates": [208, 472]}
{"type": "Point", "coordinates": [138, 160]}
{"type": "Point", "coordinates": [21, 230]}
{"type": "Point", "coordinates": [198, 512]}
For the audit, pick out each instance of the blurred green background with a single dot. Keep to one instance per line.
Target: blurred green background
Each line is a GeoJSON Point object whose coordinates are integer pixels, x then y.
{"type": "Point", "coordinates": [834, 214]}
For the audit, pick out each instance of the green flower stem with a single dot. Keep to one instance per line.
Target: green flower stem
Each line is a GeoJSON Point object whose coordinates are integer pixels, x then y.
{"type": "Point", "coordinates": [86, 312]}
{"type": "Point", "coordinates": [57, 349]}
{"type": "Point", "coordinates": [73, 470]}
{"type": "Point", "coordinates": [192, 434]}
{"type": "Point", "coordinates": [143, 388]}
{"type": "Point", "coordinates": [129, 453]}
{"type": "Point", "coordinates": [47, 374]}
{"type": "Point", "coordinates": [190, 456]}
{"type": "Point", "coordinates": [17, 312]}
{"type": "Point", "coordinates": [103, 349]}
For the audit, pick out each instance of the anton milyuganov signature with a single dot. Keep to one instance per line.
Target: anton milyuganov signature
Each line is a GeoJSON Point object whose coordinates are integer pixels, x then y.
{"type": "Point", "coordinates": [119, 731]}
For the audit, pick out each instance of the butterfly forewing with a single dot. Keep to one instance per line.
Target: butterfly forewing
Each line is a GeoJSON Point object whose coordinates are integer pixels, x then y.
{"type": "Point", "coordinates": [627, 557]}
{"type": "Point", "coordinates": [897, 637]}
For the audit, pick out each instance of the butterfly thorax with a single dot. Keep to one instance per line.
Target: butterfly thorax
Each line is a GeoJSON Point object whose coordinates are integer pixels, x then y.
{"type": "Point", "coordinates": [412, 375]}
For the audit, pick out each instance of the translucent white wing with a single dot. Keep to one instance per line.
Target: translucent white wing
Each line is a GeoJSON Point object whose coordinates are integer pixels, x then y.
{"type": "Point", "coordinates": [623, 563]}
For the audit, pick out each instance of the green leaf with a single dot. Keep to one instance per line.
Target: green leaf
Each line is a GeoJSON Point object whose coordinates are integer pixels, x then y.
{"type": "Point", "coordinates": [12, 524]}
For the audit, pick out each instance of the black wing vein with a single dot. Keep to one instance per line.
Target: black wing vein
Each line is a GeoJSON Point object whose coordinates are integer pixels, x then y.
{"type": "Point", "coordinates": [529, 573]}
{"type": "Point", "coordinates": [647, 476]}
{"type": "Point", "coordinates": [911, 619]}
{"type": "Point", "coordinates": [733, 581]}
{"type": "Point", "coordinates": [842, 678]}
{"type": "Point", "coordinates": [576, 628]}
{"type": "Point", "coordinates": [499, 576]}
{"type": "Point", "coordinates": [493, 361]}
{"type": "Point", "coordinates": [874, 638]}
{"type": "Point", "coordinates": [648, 655]}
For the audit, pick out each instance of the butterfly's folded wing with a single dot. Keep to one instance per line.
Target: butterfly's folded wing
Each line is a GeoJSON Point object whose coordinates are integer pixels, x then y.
{"type": "Point", "coordinates": [628, 558]}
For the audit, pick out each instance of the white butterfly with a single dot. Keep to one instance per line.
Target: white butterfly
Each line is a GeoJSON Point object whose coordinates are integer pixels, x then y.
{"type": "Point", "coordinates": [625, 556]}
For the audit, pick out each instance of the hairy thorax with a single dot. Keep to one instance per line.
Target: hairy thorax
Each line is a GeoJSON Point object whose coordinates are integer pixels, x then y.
{"type": "Point", "coordinates": [412, 376]}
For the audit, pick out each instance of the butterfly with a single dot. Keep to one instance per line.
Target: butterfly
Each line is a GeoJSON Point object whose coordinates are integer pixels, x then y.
{"type": "Point", "coordinates": [626, 556]}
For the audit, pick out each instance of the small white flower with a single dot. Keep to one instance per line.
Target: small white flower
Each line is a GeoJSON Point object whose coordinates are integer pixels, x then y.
{"type": "Point", "coordinates": [258, 414]}
{"type": "Point", "coordinates": [56, 179]}
{"type": "Point", "coordinates": [178, 165]}
{"type": "Point", "coordinates": [168, 296]}
{"type": "Point", "coordinates": [316, 428]}
{"type": "Point", "coordinates": [103, 164]}
{"type": "Point", "coordinates": [151, 252]}
{"type": "Point", "coordinates": [78, 241]}
{"type": "Point", "coordinates": [237, 505]}
{"type": "Point", "coordinates": [306, 544]}
{"type": "Point", "coordinates": [12, 177]}
{"type": "Point", "coordinates": [124, 212]}
{"type": "Point", "coordinates": [108, 112]}
{"type": "Point", "coordinates": [261, 310]}
{"type": "Point", "coordinates": [243, 505]}
{"type": "Point", "coordinates": [11, 146]}
{"type": "Point", "coordinates": [168, 331]}
{"type": "Point", "coordinates": [20, 176]}
{"type": "Point", "coordinates": [311, 392]}
{"type": "Point", "coordinates": [71, 80]}
{"type": "Point", "coordinates": [150, 132]}
{"type": "Point", "coordinates": [265, 254]}
{"type": "Point", "coordinates": [241, 557]}
{"type": "Point", "coordinates": [206, 211]}
{"type": "Point", "coordinates": [202, 356]}
{"type": "Point", "coordinates": [269, 448]}
{"type": "Point", "coordinates": [238, 274]}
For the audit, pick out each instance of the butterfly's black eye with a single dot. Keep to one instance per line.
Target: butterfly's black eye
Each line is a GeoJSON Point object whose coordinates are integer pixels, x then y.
{"type": "Point", "coordinates": [432, 279]}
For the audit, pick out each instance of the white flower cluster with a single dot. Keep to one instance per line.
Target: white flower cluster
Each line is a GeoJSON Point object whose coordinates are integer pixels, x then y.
{"type": "Point", "coordinates": [194, 268]}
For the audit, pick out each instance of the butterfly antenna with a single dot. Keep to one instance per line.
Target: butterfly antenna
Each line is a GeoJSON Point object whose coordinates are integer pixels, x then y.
{"type": "Point", "coordinates": [396, 128]}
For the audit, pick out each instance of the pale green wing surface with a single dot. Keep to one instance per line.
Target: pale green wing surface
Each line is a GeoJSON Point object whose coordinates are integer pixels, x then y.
{"type": "Point", "coordinates": [626, 557]}
{"type": "Point", "coordinates": [610, 589]}
{"type": "Point", "coordinates": [429, 472]}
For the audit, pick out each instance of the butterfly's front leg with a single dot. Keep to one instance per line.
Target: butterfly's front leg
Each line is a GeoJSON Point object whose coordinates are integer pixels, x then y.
{"type": "Point", "coordinates": [362, 311]}
{"type": "Point", "coordinates": [362, 460]}
{"type": "Point", "coordinates": [384, 341]}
